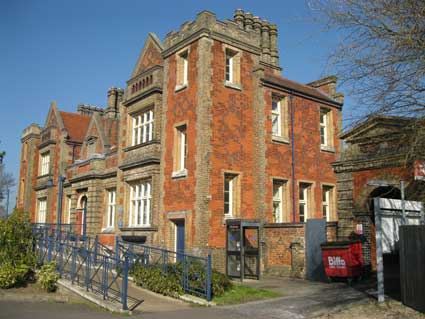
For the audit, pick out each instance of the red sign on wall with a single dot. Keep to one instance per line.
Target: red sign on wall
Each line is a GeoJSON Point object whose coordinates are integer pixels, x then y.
{"type": "Point", "coordinates": [419, 170]}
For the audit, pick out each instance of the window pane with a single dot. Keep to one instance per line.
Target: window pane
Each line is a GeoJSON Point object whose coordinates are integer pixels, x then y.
{"type": "Point", "coordinates": [274, 105]}
{"type": "Point", "coordinates": [275, 124]}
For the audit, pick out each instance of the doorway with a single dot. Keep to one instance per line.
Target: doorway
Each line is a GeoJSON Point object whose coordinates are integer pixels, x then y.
{"type": "Point", "coordinates": [179, 238]}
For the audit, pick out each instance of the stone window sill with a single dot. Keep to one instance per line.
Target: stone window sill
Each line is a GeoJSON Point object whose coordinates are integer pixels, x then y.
{"type": "Point", "coordinates": [233, 86]}
{"type": "Point", "coordinates": [280, 140]}
{"type": "Point", "coordinates": [180, 87]}
{"type": "Point", "coordinates": [139, 228]}
{"type": "Point", "coordinates": [179, 174]}
{"type": "Point", "coordinates": [327, 149]}
{"type": "Point", "coordinates": [108, 230]}
{"type": "Point", "coordinates": [134, 147]}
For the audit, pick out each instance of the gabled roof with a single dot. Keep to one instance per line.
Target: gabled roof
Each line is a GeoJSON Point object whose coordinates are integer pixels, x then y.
{"type": "Point", "coordinates": [97, 123]}
{"type": "Point", "coordinates": [149, 56]}
{"type": "Point", "coordinates": [299, 88]}
{"type": "Point", "coordinates": [76, 125]}
{"type": "Point", "coordinates": [54, 117]}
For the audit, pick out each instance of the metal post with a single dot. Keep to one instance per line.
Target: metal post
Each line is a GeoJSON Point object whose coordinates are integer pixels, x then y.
{"type": "Point", "coordinates": [379, 257]}
{"type": "Point", "coordinates": [74, 257]}
{"type": "Point", "coordinates": [291, 106]}
{"type": "Point", "coordinates": [61, 179]}
{"type": "Point", "coordinates": [60, 259]}
{"type": "Point", "coordinates": [124, 284]}
{"type": "Point", "coordinates": [104, 277]}
{"type": "Point", "coordinates": [422, 214]}
{"type": "Point", "coordinates": [49, 249]}
{"type": "Point", "coordinates": [96, 248]}
{"type": "Point", "coordinates": [403, 204]}
{"type": "Point", "coordinates": [209, 297]}
{"type": "Point", "coordinates": [85, 220]}
{"type": "Point", "coordinates": [88, 262]}
{"type": "Point", "coordinates": [117, 251]}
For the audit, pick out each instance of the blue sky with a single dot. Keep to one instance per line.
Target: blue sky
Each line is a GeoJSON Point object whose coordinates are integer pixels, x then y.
{"type": "Point", "coordinates": [73, 51]}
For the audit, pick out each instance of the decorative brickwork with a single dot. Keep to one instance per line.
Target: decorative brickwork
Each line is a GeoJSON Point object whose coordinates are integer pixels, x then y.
{"type": "Point", "coordinates": [181, 126]}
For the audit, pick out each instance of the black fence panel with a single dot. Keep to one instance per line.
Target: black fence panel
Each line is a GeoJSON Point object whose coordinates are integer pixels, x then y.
{"type": "Point", "coordinates": [412, 266]}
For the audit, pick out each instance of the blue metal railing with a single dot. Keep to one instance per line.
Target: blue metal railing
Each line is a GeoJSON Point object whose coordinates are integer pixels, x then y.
{"type": "Point", "coordinates": [193, 272]}
{"type": "Point", "coordinates": [82, 265]}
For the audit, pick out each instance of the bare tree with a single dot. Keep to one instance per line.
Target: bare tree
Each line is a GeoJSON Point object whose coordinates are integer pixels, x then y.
{"type": "Point", "coordinates": [6, 182]}
{"type": "Point", "coordinates": [380, 58]}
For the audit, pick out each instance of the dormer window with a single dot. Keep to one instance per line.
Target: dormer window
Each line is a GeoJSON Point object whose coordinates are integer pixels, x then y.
{"type": "Point", "coordinates": [91, 146]}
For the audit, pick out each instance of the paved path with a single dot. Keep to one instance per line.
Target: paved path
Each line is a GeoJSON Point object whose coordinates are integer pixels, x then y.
{"type": "Point", "coordinates": [300, 300]}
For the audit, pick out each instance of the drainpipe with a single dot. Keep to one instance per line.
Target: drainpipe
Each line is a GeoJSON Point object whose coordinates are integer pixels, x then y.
{"type": "Point", "coordinates": [294, 210]}
{"type": "Point", "coordinates": [73, 153]}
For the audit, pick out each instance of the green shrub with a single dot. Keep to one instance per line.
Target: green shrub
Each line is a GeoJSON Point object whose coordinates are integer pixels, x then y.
{"type": "Point", "coordinates": [197, 277]}
{"type": "Point", "coordinates": [220, 283]}
{"type": "Point", "coordinates": [153, 279]}
{"type": "Point", "coordinates": [16, 240]}
{"type": "Point", "coordinates": [48, 277]}
{"type": "Point", "coordinates": [11, 276]}
{"type": "Point", "coordinates": [169, 284]}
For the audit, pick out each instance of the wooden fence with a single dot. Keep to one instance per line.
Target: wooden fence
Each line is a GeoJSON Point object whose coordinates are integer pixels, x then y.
{"type": "Point", "coordinates": [412, 266]}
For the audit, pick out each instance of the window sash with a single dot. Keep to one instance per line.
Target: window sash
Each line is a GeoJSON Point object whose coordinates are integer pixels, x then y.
{"type": "Point", "coordinates": [140, 204]}
{"type": "Point", "coordinates": [229, 68]}
{"type": "Point", "coordinates": [143, 128]}
{"type": "Point", "coordinates": [326, 202]}
{"type": "Point", "coordinates": [185, 69]}
{"type": "Point", "coordinates": [111, 208]}
{"type": "Point", "coordinates": [45, 163]}
{"type": "Point", "coordinates": [323, 128]}
{"type": "Point", "coordinates": [303, 203]}
{"type": "Point", "coordinates": [277, 202]}
{"type": "Point", "coordinates": [276, 118]}
{"type": "Point", "coordinates": [183, 147]}
{"type": "Point", "coordinates": [229, 195]}
{"type": "Point", "coordinates": [42, 209]}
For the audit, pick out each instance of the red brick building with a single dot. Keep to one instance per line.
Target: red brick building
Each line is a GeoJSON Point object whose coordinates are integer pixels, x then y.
{"type": "Point", "coordinates": [206, 131]}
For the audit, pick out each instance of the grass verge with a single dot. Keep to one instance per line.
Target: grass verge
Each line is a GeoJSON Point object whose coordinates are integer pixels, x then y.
{"type": "Point", "coordinates": [240, 294]}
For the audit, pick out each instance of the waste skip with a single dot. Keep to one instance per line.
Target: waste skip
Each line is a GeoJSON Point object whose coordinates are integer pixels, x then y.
{"type": "Point", "coordinates": [343, 259]}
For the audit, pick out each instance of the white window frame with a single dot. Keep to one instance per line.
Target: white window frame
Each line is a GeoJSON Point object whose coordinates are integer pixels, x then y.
{"type": "Point", "coordinates": [110, 210]}
{"type": "Point", "coordinates": [304, 202]}
{"type": "Point", "coordinates": [180, 151]}
{"type": "Point", "coordinates": [183, 149]}
{"type": "Point", "coordinates": [327, 201]}
{"type": "Point", "coordinates": [41, 210]}
{"type": "Point", "coordinates": [44, 163]}
{"type": "Point", "coordinates": [142, 128]}
{"type": "Point", "coordinates": [229, 67]}
{"type": "Point", "coordinates": [277, 113]}
{"type": "Point", "coordinates": [231, 180]}
{"type": "Point", "coordinates": [140, 204]}
{"type": "Point", "coordinates": [185, 57]}
{"type": "Point", "coordinates": [324, 127]}
{"type": "Point", "coordinates": [279, 200]}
